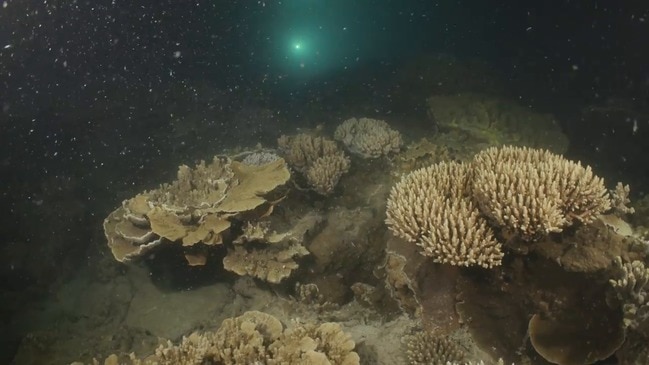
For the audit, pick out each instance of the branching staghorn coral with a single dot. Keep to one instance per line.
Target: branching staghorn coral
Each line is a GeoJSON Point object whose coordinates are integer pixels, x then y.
{"type": "Point", "coordinates": [532, 192]}
{"type": "Point", "coordinates": [631, 284]}
{"type": "Point", "coordinates": [620, 199]}
{"type": "Point", "coordinates": [430, 207]}
{"type": "Point", "coordinates": [446, 208]}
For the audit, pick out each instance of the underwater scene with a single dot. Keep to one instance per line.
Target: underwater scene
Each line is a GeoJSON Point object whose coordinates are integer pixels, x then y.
{"type": "Point", "coordinates": [336, 182]}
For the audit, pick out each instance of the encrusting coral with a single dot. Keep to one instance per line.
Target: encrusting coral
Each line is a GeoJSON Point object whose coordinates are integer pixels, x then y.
{"type": "Point", "coordinates": [318, 159]}
{"type": "Point", "coordinates": [256, 338]}
{"type": "Point", "coordinates": [369, 138]}
{"type": "Point", "coordinates": [431, 208]}
{"type": "Point", "coordinates": [447, 208]}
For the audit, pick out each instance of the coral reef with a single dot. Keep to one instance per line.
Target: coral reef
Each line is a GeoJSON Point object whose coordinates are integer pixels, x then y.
{"type": "Point", "coordinates": [441, 218]}
{"type": "Point", "coordinates": [318, 159]}
{"type": "Point", "coordinates": [492, 121]}
{"type": "Point", "coordinates": [368, 138]}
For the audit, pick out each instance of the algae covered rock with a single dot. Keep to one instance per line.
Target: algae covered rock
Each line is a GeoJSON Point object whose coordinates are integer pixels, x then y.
{"type": "Point", "coordinates": [493, 121]}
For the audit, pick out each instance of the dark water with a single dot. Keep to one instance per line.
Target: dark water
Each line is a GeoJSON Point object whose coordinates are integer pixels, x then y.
{"type": "Point", "coordinates": [103, 99]}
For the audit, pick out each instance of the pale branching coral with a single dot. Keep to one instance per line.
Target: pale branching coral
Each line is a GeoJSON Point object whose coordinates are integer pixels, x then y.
{"type": "Point", "coordinates": [430, 207]}
{"type": "Point", "coordinates": [631, 285]}
{"type": "Point", "coordinates": [527, 193]}
{"type": "Point", "coordinates": [318, 159]}
{"type": "Point", "coordinates": [425, 348]}
{"type": "Point", "coordinates": [532, 192]}
{"type": "Point", "coordinates": [369, 138]}
{"type": "Point", "coordinates": [583, 194]}
{"type": "Point", "coordinates": [620, 200]}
